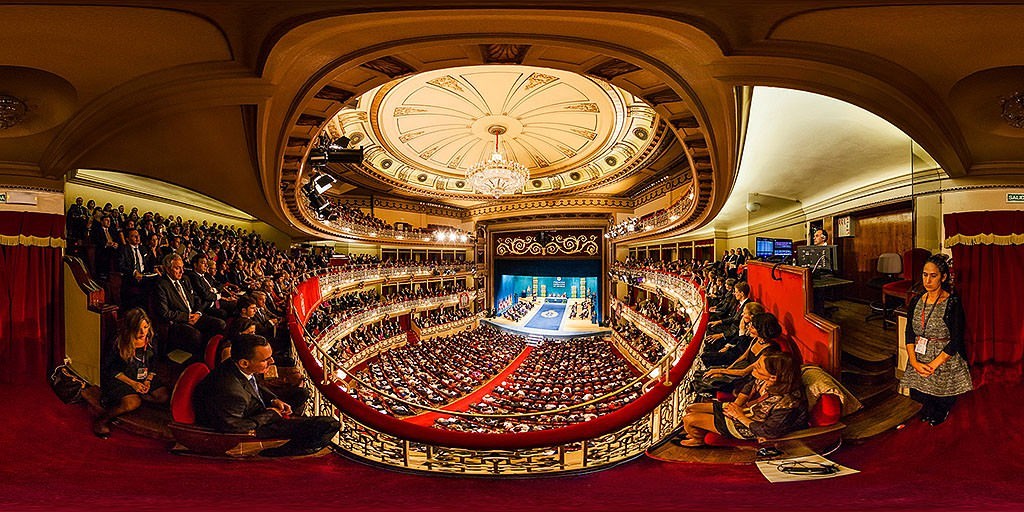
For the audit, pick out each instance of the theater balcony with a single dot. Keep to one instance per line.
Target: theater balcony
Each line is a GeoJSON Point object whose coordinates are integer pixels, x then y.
{"type": "Point", "coordinates": [601, 442]}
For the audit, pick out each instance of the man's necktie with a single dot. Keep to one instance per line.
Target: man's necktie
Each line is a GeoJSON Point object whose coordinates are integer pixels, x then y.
{"type": "Point", "coordinates": [181, 293]}
{"type": "Point", "coordinates": [255, 388]}
{"type": "Point", "coordinates": [138, 258]}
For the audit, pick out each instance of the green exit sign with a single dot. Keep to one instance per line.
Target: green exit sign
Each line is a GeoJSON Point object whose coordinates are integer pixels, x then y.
{"type": "Point", "coordinates": [3, 197]}
{"type": "Point", "coordinates": [1015, 198]}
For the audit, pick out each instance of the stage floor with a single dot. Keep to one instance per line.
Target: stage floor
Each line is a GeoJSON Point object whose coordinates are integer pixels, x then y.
{"type": "Point", "coordinates": [555, 323]}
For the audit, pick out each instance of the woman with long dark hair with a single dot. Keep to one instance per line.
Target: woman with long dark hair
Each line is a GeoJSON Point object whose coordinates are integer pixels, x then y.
{"type": "Point", "coordinates": [770, 406]}
{"type": "Point", "coordinates": [127, 377]}
{"type": "Point", "coordinates": [937, 370]}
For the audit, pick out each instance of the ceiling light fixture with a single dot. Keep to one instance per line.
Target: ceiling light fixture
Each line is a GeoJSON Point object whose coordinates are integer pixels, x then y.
{"type": "Point", "coordinates": [1013, 110]}
{"type": "Point", "coordinates": [497, 177]}
{"type": "Point", "coordinates": [12, 111]}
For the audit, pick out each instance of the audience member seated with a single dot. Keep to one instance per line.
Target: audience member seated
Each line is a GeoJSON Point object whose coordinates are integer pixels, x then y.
{"type": "Point", "coordinates": [728, 321]}
{"type": "Point", "coordinates": [127, 378]}
{"type": "Point", "coordinates": [555, 375]}
{"type": "Point", "coordinates": [720, 349]}
{"type": "Point", "coordinates": [764, 331]}
{"type": "Point", "coordinates": [230, 400]}
{"type": "Point", "coordinates": [136, 281]}
{"type": "Point", "coordinates": [769, 406]}
{"type": "Point", "coordinates": [518, 311]}
{"type": "Point", "coordinates": [645, 345]}
{"type": "Point", "coordinates": [438, 371]}
{"type": "Point", "coordinates": [442, 316]}
{"type": "Point", "coordinates": [176, 305]}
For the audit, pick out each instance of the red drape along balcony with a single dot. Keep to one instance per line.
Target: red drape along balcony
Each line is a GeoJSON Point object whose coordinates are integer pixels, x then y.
{"type": "Point", "coordinates": [31, 296]}
{"type": "Point", "coordinates": [988, 267]}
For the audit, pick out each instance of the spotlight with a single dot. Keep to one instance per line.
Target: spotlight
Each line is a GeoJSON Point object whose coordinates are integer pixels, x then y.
{"type": "Point", "coordinates": [345, 156]}
{"type": "Point", "coordinates": [317, 157]}
{"type": "Point", "coordinates": [323, 183]}
{"type": "Point", "coordinates": [340, 143]}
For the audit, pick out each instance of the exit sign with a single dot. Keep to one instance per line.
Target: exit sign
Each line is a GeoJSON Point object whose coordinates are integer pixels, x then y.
{"type": "Point", "coordinates": [1015, 198]}
{"type": "Point", "coordinates": [3, 197]}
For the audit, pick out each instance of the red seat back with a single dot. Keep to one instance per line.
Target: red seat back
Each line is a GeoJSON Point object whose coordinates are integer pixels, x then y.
{"type": "Point", "coordinates": [181, 399]}
{"type": "Point", "coordinates": [212, 355]}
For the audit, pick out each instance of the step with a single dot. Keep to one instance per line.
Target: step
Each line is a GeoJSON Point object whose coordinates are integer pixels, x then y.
{"type": "Point", "coordinates": [873, 362]}
{"type": "Point", "coordinates": [886, 415]}
{"type": "Point", "coordinates": [872, 394]}
{"type": "Point", "coordinates": [852, 373]}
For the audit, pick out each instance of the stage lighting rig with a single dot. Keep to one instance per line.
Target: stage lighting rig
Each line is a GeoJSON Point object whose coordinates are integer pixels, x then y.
{"type": "Point", "coordinates": [333, 151]}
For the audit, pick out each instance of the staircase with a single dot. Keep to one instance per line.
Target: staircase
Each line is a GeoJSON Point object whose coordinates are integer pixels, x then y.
{"type": "Point", "coordinates": [869, 372]}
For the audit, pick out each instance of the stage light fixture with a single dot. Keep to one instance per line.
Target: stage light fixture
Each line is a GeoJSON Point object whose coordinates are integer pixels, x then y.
{"type": "Point", "coordinates": [340, 143]}
{"type": "Point", "coordinates": [323, 182]}
{"type": "Point", "coordinates": [345, 156]}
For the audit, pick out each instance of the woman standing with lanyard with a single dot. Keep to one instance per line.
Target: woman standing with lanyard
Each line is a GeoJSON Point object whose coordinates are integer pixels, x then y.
{"type": "Point", "coordinates": [937, 370]}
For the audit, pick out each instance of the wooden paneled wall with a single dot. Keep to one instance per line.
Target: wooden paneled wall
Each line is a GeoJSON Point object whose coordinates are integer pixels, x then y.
{"type": "Point", "coordinates": [875, 232]}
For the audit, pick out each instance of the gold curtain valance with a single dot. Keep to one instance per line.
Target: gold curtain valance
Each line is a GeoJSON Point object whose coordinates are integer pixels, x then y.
{"type": "Point", "coordinates": [985, 239]}
{"type": "Point", "coordinates": [32, 241]}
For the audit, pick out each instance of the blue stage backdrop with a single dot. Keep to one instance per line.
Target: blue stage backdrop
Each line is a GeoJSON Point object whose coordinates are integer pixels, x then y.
{"type": "Point", "coordinates": [515, 278]}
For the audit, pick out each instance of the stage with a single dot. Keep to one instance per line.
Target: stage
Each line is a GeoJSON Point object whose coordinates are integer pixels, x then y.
{"type": "Point", "coordinates": [551, 319]}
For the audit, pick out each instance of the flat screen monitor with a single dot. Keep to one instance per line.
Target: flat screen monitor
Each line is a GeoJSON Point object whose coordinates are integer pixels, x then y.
{"type": "Point", "coordinates": [764, 247]}
{"type": "Point", "coordinates": [782, 247]}
{"type": "Point", "coordinates": [817, 257]}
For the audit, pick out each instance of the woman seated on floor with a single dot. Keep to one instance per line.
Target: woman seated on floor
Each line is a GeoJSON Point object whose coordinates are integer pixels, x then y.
{"type": "Point", "coordinates": [770, 406]}
{"type": "Point", "coordinates": [127, 378]}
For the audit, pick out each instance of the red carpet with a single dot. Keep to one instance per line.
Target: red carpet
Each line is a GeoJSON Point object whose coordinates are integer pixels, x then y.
{"type": "Point", "coordinates": [426, 419]}
{"type": "Point", "coordinates": [49, 460]}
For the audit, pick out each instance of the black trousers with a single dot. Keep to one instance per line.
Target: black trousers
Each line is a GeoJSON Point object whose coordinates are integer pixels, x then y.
{"type": "Point", "coordinates": [934, 407]}
{"type": "Point", "coordinates": [192, 338]}
{"type": "Point", "coordinates": [303, 433]}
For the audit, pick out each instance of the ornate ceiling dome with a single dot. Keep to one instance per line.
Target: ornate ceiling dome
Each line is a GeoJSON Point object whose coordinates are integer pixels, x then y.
{"type": "Point", "coordinates": [421, 133]}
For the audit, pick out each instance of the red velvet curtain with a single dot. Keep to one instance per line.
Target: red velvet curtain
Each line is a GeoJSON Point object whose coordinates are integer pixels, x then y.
{"type": "Point", "coordinates": [31, 295]}
{"type": "Point", "coordinates": [990, 278]}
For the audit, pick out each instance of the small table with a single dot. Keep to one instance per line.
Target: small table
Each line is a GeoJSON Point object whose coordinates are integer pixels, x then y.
{"type": "Point", "coordinates": [827, 285]}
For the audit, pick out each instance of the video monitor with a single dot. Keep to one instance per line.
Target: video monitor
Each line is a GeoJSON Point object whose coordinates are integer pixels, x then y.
{"type": "Point", "coordinates": [764, 247]}
{"type": "Point", "coordinates": [782, 247]}
{"type": "Point", "coordinates": [817, 257]}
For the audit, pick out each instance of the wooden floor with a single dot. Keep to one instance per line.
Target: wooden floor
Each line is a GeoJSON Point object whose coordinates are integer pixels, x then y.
{"type": "Point", "coordinates": [865, 340]}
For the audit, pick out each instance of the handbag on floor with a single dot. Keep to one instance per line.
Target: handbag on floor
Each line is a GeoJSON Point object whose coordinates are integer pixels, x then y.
{"type": "Point", "coordinates": [67, 384]}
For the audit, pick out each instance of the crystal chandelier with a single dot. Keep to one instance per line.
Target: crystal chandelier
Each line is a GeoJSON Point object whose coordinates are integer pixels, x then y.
{"type": "Point", "coordinates": [497, 177]}
{"type": "Point", "coordinates": [12, 111]}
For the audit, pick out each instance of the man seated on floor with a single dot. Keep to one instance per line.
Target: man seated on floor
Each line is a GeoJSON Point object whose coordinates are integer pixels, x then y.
{"type": "Point", "coordinates": [230, 400]}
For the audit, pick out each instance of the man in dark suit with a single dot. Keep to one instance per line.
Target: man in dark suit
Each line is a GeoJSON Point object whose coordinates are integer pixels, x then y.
{"type": "Point", "coordinates": [176, 305]}
{"type": "Point", "coordinates": [729, 325]}
{"type": "Point", "coordinates": [104, 240]}
{"type": "Point", "coordinates": [135, 282]}
{"type": "Point", "coordinates": [207, 295]}
{"type": "Point", "coordinates": [231, 400]}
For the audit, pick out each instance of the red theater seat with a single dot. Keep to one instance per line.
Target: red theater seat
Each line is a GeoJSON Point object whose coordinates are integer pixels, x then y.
{"type": "Point", "coordinates": [204, 441]}
{"type": "Point", "coordinates": [211, 355]}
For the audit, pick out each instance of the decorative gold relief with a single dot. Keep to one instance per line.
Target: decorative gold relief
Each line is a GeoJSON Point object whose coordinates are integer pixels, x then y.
{"type": "Point", "coordinates": [411, 135]}
{"type": "Point", "coordinates": [528, 245]}
{"type": "Point", "coordinates": [538, 79]}
{"type": "Point", "coordinates": [583, 107]}
{"type": "Point", "coordinates": [405, 111]}
{"type": "Point", "coordinates": [583, 132]}
{"type": "Point", "coordinates": [447, 82]}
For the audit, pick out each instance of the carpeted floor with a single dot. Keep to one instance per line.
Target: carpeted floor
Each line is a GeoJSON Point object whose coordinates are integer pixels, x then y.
{"type": "Point", "coordinates": [543, 319]}
{"type": "Point", "coordinates": [462, 404]}
{"type": "Point", "coordinates": [49, 460]}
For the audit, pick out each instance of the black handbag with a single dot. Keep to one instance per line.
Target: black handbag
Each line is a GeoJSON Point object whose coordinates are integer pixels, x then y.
{"type": "Point", "coordinates": [67, 385]}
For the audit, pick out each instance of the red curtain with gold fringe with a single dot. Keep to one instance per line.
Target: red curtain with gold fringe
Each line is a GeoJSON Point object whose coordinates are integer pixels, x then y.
{"type": "Point", "coordinates": [31, 295]}
{"type": "Point", "coordinates": [988, 265]}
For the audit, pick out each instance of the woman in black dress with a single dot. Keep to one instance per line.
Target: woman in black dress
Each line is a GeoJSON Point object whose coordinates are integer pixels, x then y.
{"type": "Point", "coordinates": [127, 377]}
